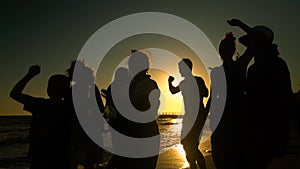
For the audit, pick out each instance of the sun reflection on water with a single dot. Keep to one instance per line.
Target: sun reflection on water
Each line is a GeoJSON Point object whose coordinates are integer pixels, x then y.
{"type": "Point", "coordinates": [182, 154]}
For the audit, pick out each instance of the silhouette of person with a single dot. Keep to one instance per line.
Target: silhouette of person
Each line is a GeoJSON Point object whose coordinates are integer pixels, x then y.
{"type": "Point", "coordinates": [269, 92]}
{"type": "Point", "coordinates": [121, 82]}
{"type": "Point", "coordinates": [190, 142]}
{"type": "Point", "coordinates": [83, 151]}
{"type": "Point", "coordinates": [121, 79]}
{"type": "Point", "coordinates": [227, 138]}
{"type": "Point", "coordinates": [48, 130]}
{"type": "Point", "coordinates": [144, 96]}
{"type": "Point", "coordinates": [83, 66]}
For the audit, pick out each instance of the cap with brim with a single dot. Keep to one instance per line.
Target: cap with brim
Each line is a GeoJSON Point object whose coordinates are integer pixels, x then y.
{"type": "Point", "coordinates": [264, 33]}
{"type": "Point", "coordinates": [261, 35]}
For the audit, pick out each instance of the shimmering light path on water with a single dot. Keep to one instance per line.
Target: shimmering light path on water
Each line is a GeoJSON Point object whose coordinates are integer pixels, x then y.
{"type": "Point", "coordinates": [172, 154]}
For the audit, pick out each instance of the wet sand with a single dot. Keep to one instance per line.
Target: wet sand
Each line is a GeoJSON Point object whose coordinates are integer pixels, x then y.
{"type": "Point", "coordinates": [174, 157]}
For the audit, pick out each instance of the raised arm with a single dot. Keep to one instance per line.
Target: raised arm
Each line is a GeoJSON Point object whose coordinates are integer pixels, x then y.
{"type": "Point", "coordinates": [248, 54]}
{"type": "Point", "coordinates": [173, 89]}
{"type": "Point", "coordinates": [16, 92]}
{"type": "Point", "coordinates": [239, 23]}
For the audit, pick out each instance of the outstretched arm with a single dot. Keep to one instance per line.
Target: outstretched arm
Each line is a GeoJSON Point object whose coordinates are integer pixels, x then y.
{"type": "Point", "coordinates": [239, 23]}
{"type": "Point", "coordinates": [173, 89]}
{"type": "Point", "coordinates": [248, 54]}
{"type": "Point", "coordinates": [16, 92]}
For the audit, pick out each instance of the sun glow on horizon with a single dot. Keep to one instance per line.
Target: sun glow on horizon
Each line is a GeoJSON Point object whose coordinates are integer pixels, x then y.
{"type": "Point", "coordinates": [164, 64]}
{"type": "Point", "coordinates": [169, 102]}
{"type": "Point", "coordinates": [167, 60]}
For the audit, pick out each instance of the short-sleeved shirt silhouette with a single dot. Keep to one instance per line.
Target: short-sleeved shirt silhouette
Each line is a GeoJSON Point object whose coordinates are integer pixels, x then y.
{"type": "Point", "coordinates": [48, 130]}
{"type": "Point", "coordinates": [140, 88]}
{"type": "Point", "coordinates": [189, 105]}
{"type": "Point", "coordinates": [269, 92]}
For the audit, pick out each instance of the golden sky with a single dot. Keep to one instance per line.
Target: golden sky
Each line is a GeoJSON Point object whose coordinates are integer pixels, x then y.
{"type": "Point", "coordinates": [164, 60]}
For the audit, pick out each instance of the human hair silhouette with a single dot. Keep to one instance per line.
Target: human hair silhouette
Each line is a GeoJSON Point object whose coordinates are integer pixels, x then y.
{"type": "Point", "coordinates": [48, 129]}
{"type": "Point", "coordinates": [90, 74]}
{"type": "Point", "coordinates": [188, 63]}
{"type": "Point", "coordinates": [138, 63]}
{"type": "Point", "coordinates": [227, 47]}
{"type": "Point", "coordinates": [191, 128]}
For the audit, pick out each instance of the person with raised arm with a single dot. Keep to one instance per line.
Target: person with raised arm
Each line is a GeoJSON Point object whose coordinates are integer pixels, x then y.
{"type": "Point", "coordinates": [191, 127]}
{"type": "Point", "coordinates": [48, 130]}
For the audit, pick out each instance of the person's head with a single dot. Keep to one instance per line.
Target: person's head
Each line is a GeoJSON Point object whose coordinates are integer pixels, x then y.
{"type": "Point", "coordinates": [259, 39]}
{"type": "Point", "coordinates": [227, 47]}
{"type": "Point", "coordinates": [84, 71]}
{"type": "Point", "coordinates": [138, 62]}
{"type": "Point", "coordinates": [58, 87]}
{"type": "Point", "coordinates": [71, 68]}
{"type": "Point", "coordinates": [121, 74]}
{"type": "Point", "coordinates": [185, 67]}
{"type": "Point", "coordinates": [265, 35]}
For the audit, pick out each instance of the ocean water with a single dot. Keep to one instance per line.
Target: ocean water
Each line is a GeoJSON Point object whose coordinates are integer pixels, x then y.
{"type": "Point", "coordinates": [14, 133]}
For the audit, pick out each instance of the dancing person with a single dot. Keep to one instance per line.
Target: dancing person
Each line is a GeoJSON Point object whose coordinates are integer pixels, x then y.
{"type": "Point", "coordinates": [48, 130]}
{"type": "Point", "coordinates": [190, 138]}
{"type": "Point", "coordinates": [269, 93]}
{"type": "Point", "coordinates": [144, 96]}
{"type": "Point", "coordinates": [227, 138]}
{"type": "Point", "coordinates": [83, 150]}
{"type": "Point", "coordinates": [120, 84]}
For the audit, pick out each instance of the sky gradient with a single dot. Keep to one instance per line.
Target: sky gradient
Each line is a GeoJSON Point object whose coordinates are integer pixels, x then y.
{"type": "Point", "coordinates": [52, 33]}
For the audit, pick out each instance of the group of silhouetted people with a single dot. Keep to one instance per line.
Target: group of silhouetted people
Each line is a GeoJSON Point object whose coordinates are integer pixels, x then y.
{"type": "Point", "coordinates": [253, 127]}
{"type": "Point", "coordinates": [56, 137]}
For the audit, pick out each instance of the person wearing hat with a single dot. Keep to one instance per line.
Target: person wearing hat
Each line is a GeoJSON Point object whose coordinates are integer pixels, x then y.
{"type": "Point", "coordinates": [268, 91]}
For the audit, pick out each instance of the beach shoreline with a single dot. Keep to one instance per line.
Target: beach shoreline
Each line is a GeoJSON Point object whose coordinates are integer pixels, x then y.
{"type": "Point", "coordinates": [14, 155]}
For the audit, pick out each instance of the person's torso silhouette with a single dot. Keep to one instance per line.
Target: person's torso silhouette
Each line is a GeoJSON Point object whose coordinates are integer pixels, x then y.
{"type": "Point", "coordinates": [141, 88]}
{"type": "Point", "coordinates": [83, 150]}
{"type": "Point", "coordinates": [268, 92]}
{"type": "Point", "coordinates": [48, 129]}
{"type": "Point", "coordinates": [193, 90]}
{"type": "Point", "coordinates": [227, 138]}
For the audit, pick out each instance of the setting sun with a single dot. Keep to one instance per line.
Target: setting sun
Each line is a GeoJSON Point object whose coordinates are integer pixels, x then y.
{"type": "Point", "coordinates": [164, 64]}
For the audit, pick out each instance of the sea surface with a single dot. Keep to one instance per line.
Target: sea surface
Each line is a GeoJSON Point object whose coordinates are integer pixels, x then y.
{"type": "Point", "coordinates": [14, 133]}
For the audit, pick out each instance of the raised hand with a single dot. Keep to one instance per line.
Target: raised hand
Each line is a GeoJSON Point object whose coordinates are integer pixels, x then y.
{"type": "Point", "coordinates": [234, 22]}
{"type": "Point", "coordinates": [17, 91]}
{"type": "Point", "coordinates": [34, 70]}
{"type": "Point", "coordinates": [239, 23]}
{"type": "Point", "coordinates": [171, 79]}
